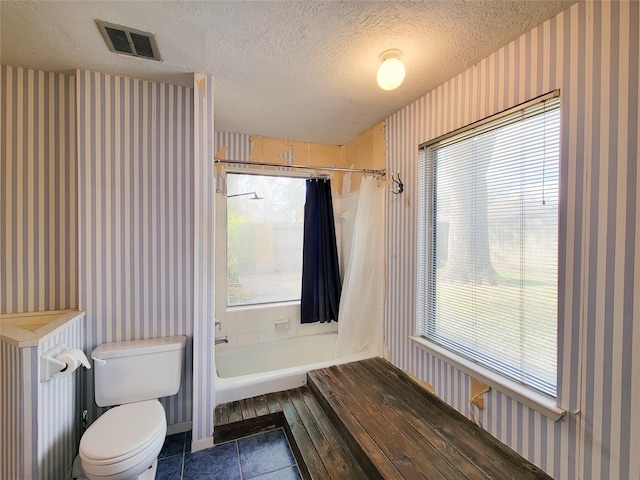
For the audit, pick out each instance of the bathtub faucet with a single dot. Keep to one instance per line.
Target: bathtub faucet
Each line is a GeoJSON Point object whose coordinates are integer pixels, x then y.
{"type": "Point", "coordinates": [222, 340]}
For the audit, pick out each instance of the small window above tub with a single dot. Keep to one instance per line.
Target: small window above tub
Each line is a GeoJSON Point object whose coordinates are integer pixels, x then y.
{"type": "Point", "coordinates": [265, 219]}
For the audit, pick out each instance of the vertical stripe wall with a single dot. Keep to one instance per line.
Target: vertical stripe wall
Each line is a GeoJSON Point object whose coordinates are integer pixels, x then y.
{"type": "Point", "coordinates": [38, 250]}
{"type": "Point", "coordinates": [40, 421]}
{"type": "Point", "coordinates": [59, 406]}
{"type": "Point", "coordinates": [204, 251]}
{"type": "Point", "coordinates": [230, 146]}
{"type": "Point", "coordinates": [135, 216]}
{"type": "Point", "coordinates": [238, 145]}
{"type": "Point", "coordinates": [38, 245]}
{"type": "Point", "coordinates": [18, 427]}
{"type": "Point", "coordinates": [591, 53]}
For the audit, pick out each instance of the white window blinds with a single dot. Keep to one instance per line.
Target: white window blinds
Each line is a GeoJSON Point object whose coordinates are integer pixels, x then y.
{"type": "Point", "coordinates": [488, 244]}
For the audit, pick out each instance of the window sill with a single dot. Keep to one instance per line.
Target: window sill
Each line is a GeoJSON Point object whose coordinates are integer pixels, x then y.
{"type": "Point", "coordinates": [262, 306]}
{"type": "Point", "coordinates": [537, 401]}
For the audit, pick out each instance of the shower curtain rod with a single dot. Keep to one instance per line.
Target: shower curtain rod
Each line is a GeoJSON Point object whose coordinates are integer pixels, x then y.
{"type": "Point", "coordinates": [381, 172]}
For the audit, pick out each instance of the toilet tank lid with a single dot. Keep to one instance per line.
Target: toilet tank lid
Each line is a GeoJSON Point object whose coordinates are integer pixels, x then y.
{"type": "Point", "coordinates": [138, 347]}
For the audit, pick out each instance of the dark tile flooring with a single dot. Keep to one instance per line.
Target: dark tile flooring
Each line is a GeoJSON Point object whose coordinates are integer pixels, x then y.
{"type": "Point", "coordinates": [265, 456]}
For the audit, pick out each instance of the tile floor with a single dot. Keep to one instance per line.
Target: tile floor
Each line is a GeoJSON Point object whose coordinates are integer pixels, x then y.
{"type": "Point", "coordinates": [264, 456]}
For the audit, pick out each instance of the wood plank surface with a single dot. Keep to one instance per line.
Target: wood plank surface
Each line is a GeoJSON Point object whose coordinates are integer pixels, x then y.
{"type": "Point", "coordinates": [273, 403]}
{"type": "Point", "coordinates": [369, 420]}
{"type": "Point", "coordinates": [445, 459]}
{"type": "Point", "coordinates": [313, 464]}
{"type": "Point", "coordinates": [221, 415]}
{"type": "Point", "coordinates": [485, 451]}
{"type": "Point", "coordinates": [235, 412]}
{"type": "Point", "coordinates": [319, 450]}
{"type": "Point", "coordinates": [261, 406]}
{"type": "Point", "coordinates": [247, 408]}
{"type": "Point", "coordinates": [335, 455]}
{"type": "Point", "coordinates": [416, 419]}
{"type": "Point", "coordinates": [429, 458]}
{"type": "Point", "coordinates": [349, 426]}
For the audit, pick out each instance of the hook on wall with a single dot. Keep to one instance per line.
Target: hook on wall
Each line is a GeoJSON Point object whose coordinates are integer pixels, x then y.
{"type": "Point", "coordinates": [399, 183]}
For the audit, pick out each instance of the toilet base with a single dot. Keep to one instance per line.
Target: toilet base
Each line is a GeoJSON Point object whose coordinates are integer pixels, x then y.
{"type": "Point", "coordinates": [148, 474]}
{"type": "Point", "coordinates": [76, 471]}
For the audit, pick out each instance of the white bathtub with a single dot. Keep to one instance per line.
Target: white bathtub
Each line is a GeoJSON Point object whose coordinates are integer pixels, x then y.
{"type": "Point", "coordinates": [253, 370]}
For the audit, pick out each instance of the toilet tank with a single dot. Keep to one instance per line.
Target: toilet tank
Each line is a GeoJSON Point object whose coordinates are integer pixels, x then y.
{"type": "Point", "coordinates": [137, 370]}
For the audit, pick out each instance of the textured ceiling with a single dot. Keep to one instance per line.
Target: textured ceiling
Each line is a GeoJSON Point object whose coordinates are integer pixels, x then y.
{"type": "Point", "coordinates": [300, 70]}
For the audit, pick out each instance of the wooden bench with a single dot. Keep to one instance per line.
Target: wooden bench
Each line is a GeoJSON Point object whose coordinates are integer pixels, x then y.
{"type": "Point", "coordinates": [370, 420]}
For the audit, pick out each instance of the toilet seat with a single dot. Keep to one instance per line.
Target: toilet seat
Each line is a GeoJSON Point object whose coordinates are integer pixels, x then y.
{"type": "Point", "coordinates": [124, 441]}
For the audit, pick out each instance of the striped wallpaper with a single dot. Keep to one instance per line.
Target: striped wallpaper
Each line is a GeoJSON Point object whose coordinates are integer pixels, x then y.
{"type": "Point", "coordinates": [40, 421]}
{"type": "Point", "coordinates": [59, 407]}
{"type": "Point", "coordinates": [142, 226]}
{"type": "Point", "coordinates": [204, 193]}
{"type": "Point", "coordinates": [591, 53]}
{"type": "Point", "coordinates": [238, 146]}
{"type": "Point", "coordinates": [135, 216]}
{"type": "Point", "coordinates": [18, 430]}
{"type": "Point", "coordinates": [38, 238]}
{"type": "Point", "coordinates": [230, 146]}
{"type": "Point", "coordinates": [38, 181]}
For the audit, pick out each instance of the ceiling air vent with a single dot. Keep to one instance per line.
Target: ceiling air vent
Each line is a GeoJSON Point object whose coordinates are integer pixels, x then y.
{"type": "Point", "coordinates": [129, 41]}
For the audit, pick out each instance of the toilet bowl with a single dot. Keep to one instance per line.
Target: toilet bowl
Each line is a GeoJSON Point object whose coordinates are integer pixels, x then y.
{"type": "Point", "coordinates": [124, 443]}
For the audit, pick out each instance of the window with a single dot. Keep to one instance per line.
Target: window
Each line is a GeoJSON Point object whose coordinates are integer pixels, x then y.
{"type": "Point", "coordinates": [265, 216]}
{"type": "Point", "coordinates": [488, 243]}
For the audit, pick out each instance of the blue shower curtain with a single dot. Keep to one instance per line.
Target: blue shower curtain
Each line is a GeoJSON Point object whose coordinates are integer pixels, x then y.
{"type": "Point", "coordinates": [321, 284]}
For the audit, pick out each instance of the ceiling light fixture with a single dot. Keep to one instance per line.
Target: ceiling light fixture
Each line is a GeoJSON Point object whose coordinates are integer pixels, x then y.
{"type": "Point", "coordinates": [391, 72]}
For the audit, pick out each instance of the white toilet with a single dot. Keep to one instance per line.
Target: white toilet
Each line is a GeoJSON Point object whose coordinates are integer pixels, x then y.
{"type": "Point", "coordinates": [124, 442]}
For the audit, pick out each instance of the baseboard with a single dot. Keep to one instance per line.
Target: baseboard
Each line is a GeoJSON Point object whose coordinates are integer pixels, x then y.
{"type": "Point", "coordinates": [201, 444]}
{"type": "Point", "coordinates": [178, 428]}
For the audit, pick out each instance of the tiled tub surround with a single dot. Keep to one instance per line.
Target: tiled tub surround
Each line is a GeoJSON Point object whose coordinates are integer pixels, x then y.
{"type": "Point", "coordinates": [254, 324]}
{"type": "Point", "coordinates": [257, 324]}
{"type": "Point", "coordinates": [263, 456]}
{"type": "Point", "coordinates": [268, 348]}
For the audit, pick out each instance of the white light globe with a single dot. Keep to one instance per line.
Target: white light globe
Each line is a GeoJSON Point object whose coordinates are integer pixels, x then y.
{"type": "Point", "coordinates": [391, 74]}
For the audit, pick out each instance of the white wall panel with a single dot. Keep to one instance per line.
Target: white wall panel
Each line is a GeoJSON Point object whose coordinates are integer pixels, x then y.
{"type": "Point", "coordinates": [204, 194]}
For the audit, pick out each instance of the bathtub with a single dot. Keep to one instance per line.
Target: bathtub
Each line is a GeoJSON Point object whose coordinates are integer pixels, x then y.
{"type": "Point", "coordinates": [254, 370]}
